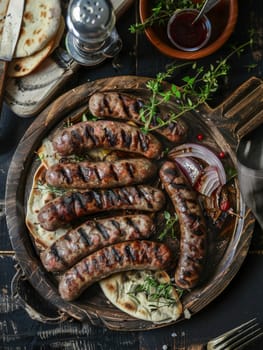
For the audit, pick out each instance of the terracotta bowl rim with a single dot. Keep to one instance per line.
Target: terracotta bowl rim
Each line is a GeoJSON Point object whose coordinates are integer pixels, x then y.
{"type": "Point", "coordinates": [205, 51]}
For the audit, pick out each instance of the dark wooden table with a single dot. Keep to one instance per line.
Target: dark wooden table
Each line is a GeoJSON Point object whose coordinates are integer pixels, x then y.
{"type": "Point", "coordinates": [21, 328]}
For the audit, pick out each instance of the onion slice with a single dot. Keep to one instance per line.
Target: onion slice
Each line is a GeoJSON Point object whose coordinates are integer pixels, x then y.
{"type": "Point", "coordinates": [201, 152]}
{"type": "Point", "coordinates": [207, 179]}
{"type": "Point", "coordinates": [208, 182]}
{"type": "Point", "coordinates": [191, 168]}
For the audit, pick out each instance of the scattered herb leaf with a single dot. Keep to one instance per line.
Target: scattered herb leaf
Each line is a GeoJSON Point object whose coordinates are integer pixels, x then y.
{"type": "Point", "coordinates": [168, 226]}
{"type": "Point", "coordinates": [51, 189]}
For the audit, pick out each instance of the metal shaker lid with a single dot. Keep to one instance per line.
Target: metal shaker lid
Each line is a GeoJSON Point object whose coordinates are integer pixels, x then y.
{"type": "Point", "coordinates": [90, 20]}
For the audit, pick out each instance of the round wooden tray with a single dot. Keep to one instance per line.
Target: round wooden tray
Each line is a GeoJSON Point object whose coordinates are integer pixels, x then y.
{"type": "Point", "coordinates": [222, 128]}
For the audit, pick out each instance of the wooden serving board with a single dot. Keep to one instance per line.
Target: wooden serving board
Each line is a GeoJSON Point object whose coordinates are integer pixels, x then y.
{"type": "Point", "coordinates": [222, 128]}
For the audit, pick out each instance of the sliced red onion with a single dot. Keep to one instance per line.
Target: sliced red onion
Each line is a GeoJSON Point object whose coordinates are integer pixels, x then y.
{"type": "Point", "coordinates": [208, 182]}
{"type": "Point", "coordinates": [190, 167]}
{"type": "Point", "coordinates": [201, 152]}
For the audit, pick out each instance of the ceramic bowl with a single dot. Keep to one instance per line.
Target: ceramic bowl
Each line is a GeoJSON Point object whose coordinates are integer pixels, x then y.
{"type": "Point", "coordinates": [223, 18]}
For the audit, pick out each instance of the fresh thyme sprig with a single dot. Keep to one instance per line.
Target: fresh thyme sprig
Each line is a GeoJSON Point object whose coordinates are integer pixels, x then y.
{"type": "Point", "coordinates": [161, 11]}
{"type": "Point", "coordinates": [194, 91]}
{"type": "Point", "coordinates": [169, 225]}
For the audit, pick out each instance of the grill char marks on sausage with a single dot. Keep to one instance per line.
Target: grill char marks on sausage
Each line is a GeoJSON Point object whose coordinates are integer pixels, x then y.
{"type": "Point", "coordinates": [114, 104]}
{"type": "Point", "coordinates": [70, 206]}
{"type": "Point", "coordinates": [93, 235]}
{"type": "Point", "coordinates": [83, 136]}
{"type": "Point", "coordinates": [122, 106]}
{"type": "Point", "coordinates": [87, 174]}
{"type": "Point", "coordinates": [193, 241]}
{"type": "Point", "coordinates": [132, 255]}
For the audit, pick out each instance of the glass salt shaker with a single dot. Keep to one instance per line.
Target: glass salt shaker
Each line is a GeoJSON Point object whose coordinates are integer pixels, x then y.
{"type": "Point", "coordinates": [92, 36]}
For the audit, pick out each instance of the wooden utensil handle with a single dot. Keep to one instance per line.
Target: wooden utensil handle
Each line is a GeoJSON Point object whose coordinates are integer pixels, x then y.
{"type": "Point", "coordinates": [3, 69]}
{"type": "Point", "coordinates": [243, 110]}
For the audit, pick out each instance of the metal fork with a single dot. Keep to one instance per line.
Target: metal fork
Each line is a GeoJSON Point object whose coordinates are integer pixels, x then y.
{"type": "Point", "coordinates": [238, 337]}
{"type": "Point", "coordinates": [207, 6]}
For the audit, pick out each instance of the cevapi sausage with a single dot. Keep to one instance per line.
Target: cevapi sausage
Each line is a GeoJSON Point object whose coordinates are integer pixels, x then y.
{"type": "Point", "coordinates": [105, 134]}
{"type": "Point", "coordinates": [132, 255]}
{"type": "Point", "coordinates": [122, 106]}
{"type": "Point", "coordinates": [193, 241]}
{"type": "Point", "coordinates": [93, 235]}
{"type": "Point", "coordinates": [70, 206]}
{"type": "Point", "coordinates": [115, 105]}
{"type": "Point", "coordinates": [104, 174]}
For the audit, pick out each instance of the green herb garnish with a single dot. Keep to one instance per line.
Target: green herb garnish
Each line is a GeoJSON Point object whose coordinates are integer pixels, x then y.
{"type": "Point", "coordinates": [155, 292]}
{"type": "Point", "coordinates": [86, 117]}
{"type": "Point", "coordinates": [46, 188]}
{"type": "Point", "coordinates": [195, 90]}
{"type": "Point", "coordinates": [168, 226]}
{"type": "Point", "coordinates": [162, 10]}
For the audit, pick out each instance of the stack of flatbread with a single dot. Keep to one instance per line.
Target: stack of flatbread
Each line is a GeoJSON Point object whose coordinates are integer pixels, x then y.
{"type": "Point", "coordinates": [41, 32]}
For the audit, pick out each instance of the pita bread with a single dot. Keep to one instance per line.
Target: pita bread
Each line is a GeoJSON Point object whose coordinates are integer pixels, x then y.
{"type": "Point", "coordinates": [20, 67]}
{"type": "Point", "coordinates": [38, 197]}
{"type": "Point", "coordinates": [47, 154]}
{"type": "Point", "coordinates": [121, 288]}
{"type": "Point", "coordinates": [40, 24]}
{"type": "Point", "coordinates": [3, 10]}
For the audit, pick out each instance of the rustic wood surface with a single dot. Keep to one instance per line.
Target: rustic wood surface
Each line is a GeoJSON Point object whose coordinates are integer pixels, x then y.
{"type": "Point", "coordinates": [21, 324]}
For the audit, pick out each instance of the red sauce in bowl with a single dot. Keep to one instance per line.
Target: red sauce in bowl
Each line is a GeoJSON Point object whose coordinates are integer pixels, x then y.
{"type": "Point", "coordinates": [184, 34]}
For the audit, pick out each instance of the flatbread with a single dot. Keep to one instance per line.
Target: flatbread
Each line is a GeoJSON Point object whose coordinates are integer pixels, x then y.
{"type": "Point", "coordinates": [20, 67]}
{"type": "Point", "coordinates": [3, 10]}
{"type": "Point", "coordinates": [40, 24]}
{"type": "Point", "coordinates": [120, 289]}
{"type": "Point", "coordinates": [39, 195]}
{"type": "Point", "coordinates": [47, 154]}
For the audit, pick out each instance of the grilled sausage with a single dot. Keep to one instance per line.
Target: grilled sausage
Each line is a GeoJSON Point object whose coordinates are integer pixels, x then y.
{"type": "Point", "coordinates": [93, 235]}
{"type": "Point", "coordinates": [115, 105]}
{"type": "Point", "coordinates": [62, 210]}
{"type": "Point", "coordinates": [100, 174]}
{"type": "Point", "coordinates": [122, 106]}
{"type": "Point", "coordinates": [193, 241]}
{"type": "Point", "coordinates": [132, 255]}
{"type": "Point", "coordinates": [105, 134]}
